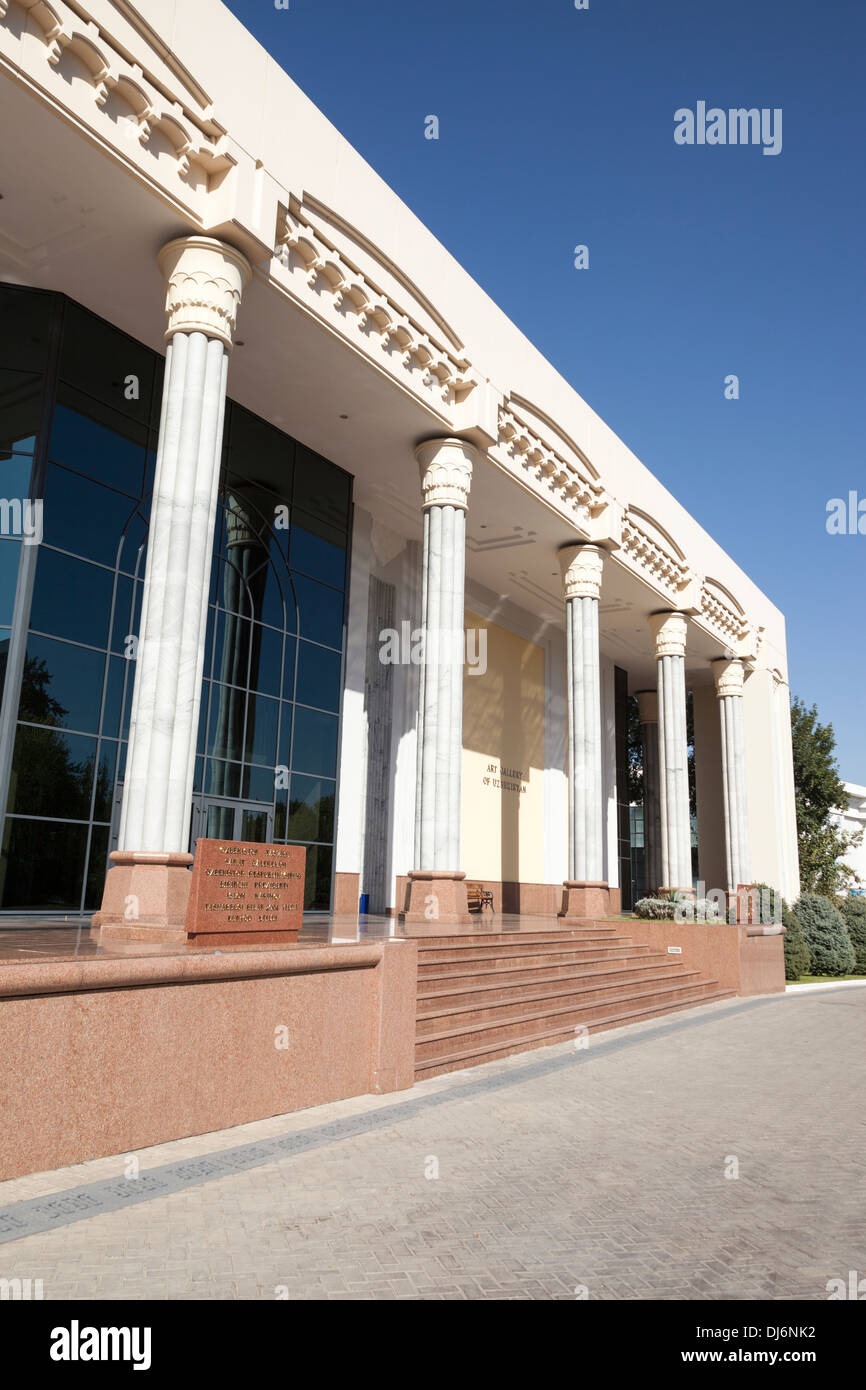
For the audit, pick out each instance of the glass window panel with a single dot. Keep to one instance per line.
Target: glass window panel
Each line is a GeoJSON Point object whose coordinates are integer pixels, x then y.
{"type": "Point", "coordinates": [254, 825]}
{"type": "Point", "coordinates": [321, 488]}
{"type": "Point", "coordinates": [198, 775]}
{"type": "Point", "coordinates": [106, 767]}
{"type": "Point", "coordinates": [261, 740]}
{"type": "Point", "coordinates": [71, 599]}
{"type": "Point", "coordinates": [318, 549]}
{"type": "Point", "coordinates": [52, 773]}
{"type": "Point", "coordinates": [100, 360]}
{"type": "Point", "coordinates": [220, 823]}
{"type": "Point", "coordinates": [44, 863]}
{"type": "Point", "coordinates": [15, 482]}
{"type": "Point", "coordinates": [96, 441]}
{"type": "Point", "coordinates": [92, 520]}
{"type": "Point", "coordinates": [311, 809]}
{"type": "Point", "coordinates": [26, 318]}
{"type": "Point", "coordinates": [258, 783]}
{"type": "Point", "coordinates": [318, 677]}
{"type": "Point", "coordinates": [226, 722]}
{"type": "Point", "coordinates": [127, 615]}
{"type": "Point", "coordinates": [232, 650]}
{"type": "Point", "coordinates": [20, 411]}
{"type": "Point", "coordinates": [98, 866]}
{"type": "Point", "coordinates": [10, 554]}
{"type": "Point", "coordinates": [223, 779]}
{"type": "Point", "coordinates": [314, 748]}
{"type": "Point", "coordinates": [321, 611]}
{"type": "Point", "coordinates": [274, 602]}
{"type": "Point", "coordinates": [5, 636]}
{"type": "Point", "coordinates": [267, 660]}
{"type": "Point", "coordinates": [61, 685]}
{"type": "Point", "coordinates": [317, 882]}
{"type": "Point", "coordinates": [118, 697]}
{"type": "Point", "coordinates": [231, 588]}
{"type": "Point", "coordinates": [256, 449]}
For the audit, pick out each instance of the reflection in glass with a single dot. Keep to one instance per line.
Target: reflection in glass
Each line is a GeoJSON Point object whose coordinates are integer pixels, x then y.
{"type": "Point", "coordinates": [220, 823]}
{"type": "Point", "coordinates": [62, 685]}
{"type": "Point", "coordinates": [42, 865]}
{"type": "Point", "coordinates": [71, 598]}
{"type": "Point", "coordinates": [52, 773]}
{"type": "Point", "coordinates": [311, 809]}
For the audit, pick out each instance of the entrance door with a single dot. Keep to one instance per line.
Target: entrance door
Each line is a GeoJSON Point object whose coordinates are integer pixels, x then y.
{"type": "Point", "coordinates": [232, 820]}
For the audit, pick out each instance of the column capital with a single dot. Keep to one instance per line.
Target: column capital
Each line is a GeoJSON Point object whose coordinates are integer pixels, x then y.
{"type": "Point", "coordinates": [728, 675]}
{"type": "Point", "coordinates": [206, 279]}
{"type": "Point", "coordinates": [648, 706]}
{"type": "Point", "coordinates": [669, 630]}
{"type": "Point", "coordinates": [446, 472]}
{"type": "Point", "coordinates": [582, 567]}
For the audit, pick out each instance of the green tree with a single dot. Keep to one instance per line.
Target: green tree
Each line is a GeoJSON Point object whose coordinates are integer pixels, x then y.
{"type": "Point", "coordinates": [826, 935]}
{"type": "Point", "coordinates": [818, 793]}
{"type": "Point", "coordinates": [797, 959]}
{"type": "Point", "coordinates": [853, 909]}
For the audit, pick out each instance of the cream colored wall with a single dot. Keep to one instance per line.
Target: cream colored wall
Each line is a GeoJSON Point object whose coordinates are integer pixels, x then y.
{"type": "Point", "coordinates": [503, 729]}
{"type": "Point", "coordinates": [769, 784]}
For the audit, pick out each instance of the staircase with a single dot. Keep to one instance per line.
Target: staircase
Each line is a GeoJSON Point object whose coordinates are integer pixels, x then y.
{"type": "Point", "coordinates": [487, 996]}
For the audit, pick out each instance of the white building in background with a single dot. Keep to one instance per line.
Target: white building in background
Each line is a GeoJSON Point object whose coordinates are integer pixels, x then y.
{"type": "Point", "coordinates": [853, 821]}
{"type": "Point", "coordinates": [222, 325]}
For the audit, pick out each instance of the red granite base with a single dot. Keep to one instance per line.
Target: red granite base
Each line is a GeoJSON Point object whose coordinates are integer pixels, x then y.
{"type": "Point", "coordinates": [435, 898]}
{"type": "Point", "coordinates": [582, 900]}
{"type": "Point", "coordinates": [145, 897]}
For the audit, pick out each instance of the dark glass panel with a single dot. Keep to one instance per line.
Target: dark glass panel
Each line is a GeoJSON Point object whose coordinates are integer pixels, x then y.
{"type": "Point", "coordinates": [273, 599]}
{"type": "Point", "coordinates": [223, 779]}
{"type": "Point", "coordinates": [261, 739]}
{"type": "Point", "coordinates": [127, 615]}
{"type": "Point", "coordinates": [52, 773]}
{"type": "Point", "coordinates": [100, 360]}
{"type": "Point", "coordinates": [318, 549]}
{"type": "Point", "coordinates": [90, 519]}
{"type": "Point", "coordinates": [198, 775]}
{"type": "Point", "coordinates": [96, 441]}
{"type": "Point", "coordinates": [71, 599]}
{"type": "Point", "coordinates": [16, 482]}
{"type": "Point", "coordinates": [260, 453]}
{"type": "Point", "coordinates": [226, 721]}
{"type": "Point", "coordinates": [20, 411]}
{"type": "Point", "coordinates": [10, 553]}
{"type": "Point", "coordinates": [315, 742]}
{"type": "Point", "coordinates": [44, 863]}
{"type": "Point", "coordinates": [321, 612]}
{"type": "Point", "coordinates": [118, 697]}
{"type": "Point", "coordinates": [311, 809]}
{"type": "Point", "coordinates": [267, 668]}
{"type": "Point", "coordinates": [61, 685]}
{"type": "Point", "coordinates": [259, 783]}
{"type": "Point", "coordinates": [25, 326]}
{"type": "Point", "coordinates": [317, 885]}
{"type": "Point", "coordinates": [318, 677]}
{"type": "Point", "coordinates": [4, 654]}
{"type": "Point", "coordinates": [98, 866]}
{"type": "Point", "coordinates": [235, 643]}
{"type": "Point", "coordinates": [106, 767]}
{"type": "Point", "coordinates": [321, 488]}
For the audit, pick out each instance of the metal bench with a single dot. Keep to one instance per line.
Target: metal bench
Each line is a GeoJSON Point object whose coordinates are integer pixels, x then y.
{"type": "Point", "coordinates": [478, 897]}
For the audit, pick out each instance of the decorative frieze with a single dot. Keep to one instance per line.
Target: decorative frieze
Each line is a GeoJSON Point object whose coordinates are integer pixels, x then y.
{"type": "Point", "coordinates": [661, 566]}
{"type": "Point", "coordinates": [304, 251]}
{"type": "Point", "coordinates": [563, 481]}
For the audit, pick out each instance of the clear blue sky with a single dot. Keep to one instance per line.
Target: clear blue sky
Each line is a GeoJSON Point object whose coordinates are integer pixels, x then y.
{"type": "Point", "coordinates": [556, 129]}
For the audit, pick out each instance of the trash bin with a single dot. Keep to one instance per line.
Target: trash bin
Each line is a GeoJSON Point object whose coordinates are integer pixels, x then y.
{"type": "Point", "coordinates": [364, 904]}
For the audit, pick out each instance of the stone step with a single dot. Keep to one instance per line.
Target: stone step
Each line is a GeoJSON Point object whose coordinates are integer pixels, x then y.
{"type": "Point", "coordinates": [526, 1021]}
{"type": "Point", "coordinates": [483, 961]}
{"type": "Point", "coordinates": [518, 973]}
{"type": "Point", "coordinates": [480, 1052]}
{"type": "Point", "coordinates": [512, 938]}
{"type": "Point", "coordinates": [588, 985]}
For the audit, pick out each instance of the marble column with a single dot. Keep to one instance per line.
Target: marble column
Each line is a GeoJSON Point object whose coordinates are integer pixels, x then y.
{"type": "Point", "coordinates": [729, 676]}
{"type": "Point", "coordinates": [586, 892]}
{"type": "Point", "coordinates": [436, 894]}
{"type": "Point", "coordinates": [669, 630]}
{"type": "Point", "coordinates": [148, 885]}
{"type": "Point", "coordinates": [648, 713]}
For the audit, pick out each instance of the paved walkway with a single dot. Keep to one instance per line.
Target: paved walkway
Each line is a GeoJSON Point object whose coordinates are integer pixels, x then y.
{"type": "Point", "coordinates": [606, 1173]}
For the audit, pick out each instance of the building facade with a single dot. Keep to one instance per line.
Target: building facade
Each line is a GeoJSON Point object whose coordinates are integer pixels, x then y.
{"type": "Point", "coordinates": [303, 541]}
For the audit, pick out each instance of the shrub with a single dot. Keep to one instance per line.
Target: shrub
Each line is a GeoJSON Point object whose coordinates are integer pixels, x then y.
{"type": "Point", "coordinates": [797, 959]}
{"type": "Point", "coordinates": [853, 909]}
{"type": "Point", "coordinates": [655, 909]}
{"type": "Point", "coordinates": [826, 935]}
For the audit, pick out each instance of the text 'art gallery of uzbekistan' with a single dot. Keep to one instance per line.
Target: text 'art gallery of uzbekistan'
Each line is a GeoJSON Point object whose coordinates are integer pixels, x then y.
{"type": "Point", "coordinates": [306, 548]}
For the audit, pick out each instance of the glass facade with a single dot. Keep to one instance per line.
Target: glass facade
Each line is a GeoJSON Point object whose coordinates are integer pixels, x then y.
{"type": "Point", "coordinates": [79, 418]}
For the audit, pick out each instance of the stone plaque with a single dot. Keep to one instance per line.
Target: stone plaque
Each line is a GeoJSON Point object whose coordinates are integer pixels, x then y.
{"type": "Point", "coordinates": [246, 894]}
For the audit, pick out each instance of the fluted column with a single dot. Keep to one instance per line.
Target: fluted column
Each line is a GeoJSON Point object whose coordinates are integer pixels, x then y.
{"type": "Point", "coordinates": [586, 891]}
{"type": "Point", "coordinates": [648, 712]}
{"type": "Point", "coordinates": [437, 891]}
{"type": "Point", "coordinates": [669, 630]}
{"type": "Point", "coordinates": [729, 677]}
{"type": "Point", "coordinates": [205, 280]}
